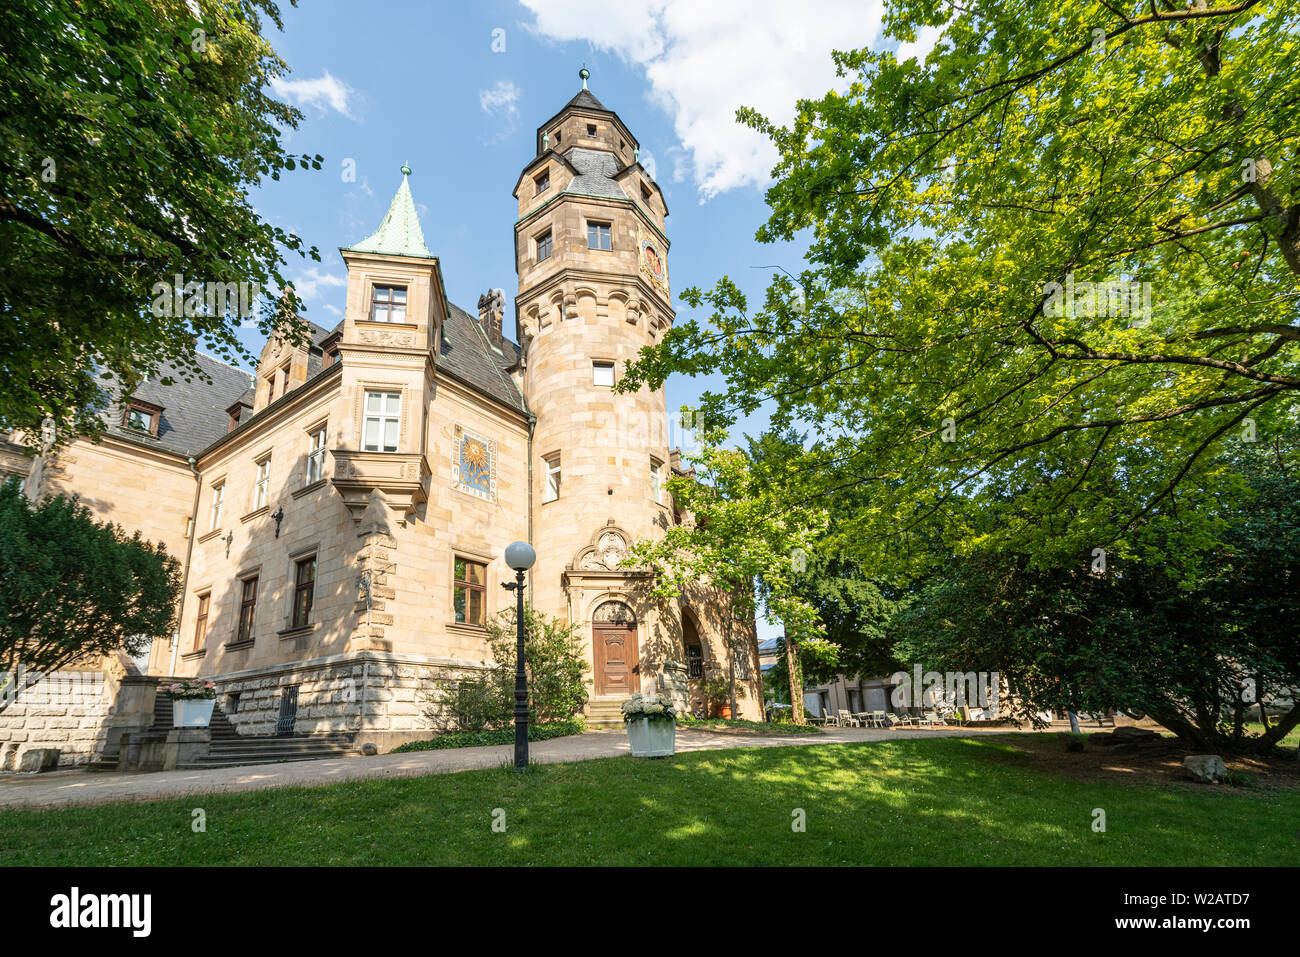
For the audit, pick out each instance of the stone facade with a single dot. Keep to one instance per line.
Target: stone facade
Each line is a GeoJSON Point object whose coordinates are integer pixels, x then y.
{"type": "Point", "coordinates": [472, 426]}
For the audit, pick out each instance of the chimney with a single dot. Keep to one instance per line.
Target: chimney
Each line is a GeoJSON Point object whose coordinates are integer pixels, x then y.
{"type": "Point", "coordinates": [491, 309]}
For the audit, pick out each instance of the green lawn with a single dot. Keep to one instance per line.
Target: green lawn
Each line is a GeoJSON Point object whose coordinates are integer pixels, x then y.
{"type": "Point", "coordinates": [921, 801]}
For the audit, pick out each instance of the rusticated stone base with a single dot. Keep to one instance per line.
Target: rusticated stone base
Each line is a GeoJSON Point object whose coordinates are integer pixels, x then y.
{"type": "Point", "coordinates": [362, 691]}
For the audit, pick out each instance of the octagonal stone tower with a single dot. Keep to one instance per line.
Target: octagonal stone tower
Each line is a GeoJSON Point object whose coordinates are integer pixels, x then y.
{"type": "Point", "coordinates": [592, 259]}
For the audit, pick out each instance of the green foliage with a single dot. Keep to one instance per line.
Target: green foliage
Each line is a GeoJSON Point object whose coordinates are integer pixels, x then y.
{"type": "Point", "coordinates": [942, 200]}
{"type": "Point", "coordinates": [481, 738]}
{"type": "Point", "coordinates": [131, 133]}
{"type": "Point", "coordinates": [554, 664]}
{"type": "Point", "coordinates": [553, 660]}
{"type": "Point", "coordinates": [1197, 656]}
{"type": "Point", "coordinates": [72, 588]}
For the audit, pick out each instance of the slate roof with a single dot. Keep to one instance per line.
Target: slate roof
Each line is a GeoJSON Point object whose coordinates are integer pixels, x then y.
{"type": "Point", "coordinates": [468, 355]}
{"type": "Point", "coordinates": [596, 173]}
{"type": "Point", "coordinates": [587, 100]}
{"type": "Point", "coordinates": [194, 413]}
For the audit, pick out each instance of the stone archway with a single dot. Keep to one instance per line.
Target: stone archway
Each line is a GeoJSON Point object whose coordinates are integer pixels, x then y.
{"type": "Point", "coordinates": [616, 664]}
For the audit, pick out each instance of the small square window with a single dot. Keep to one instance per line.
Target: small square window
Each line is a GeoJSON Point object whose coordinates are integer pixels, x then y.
{"type": "Point", "coordinates": [543, 182]}
{"type": "Point", "coordinates": [139, 420]}
{"type": "Point", "coordinates": [388, 304]}
{"type": "Point", "coordinates": [598, 236]}
{"type": "Point", "coordinates": [591, 129]}
{"type": "Point", "coordinates": [602, 373]}
{"type": "Point", "coordinates": [544, 246]}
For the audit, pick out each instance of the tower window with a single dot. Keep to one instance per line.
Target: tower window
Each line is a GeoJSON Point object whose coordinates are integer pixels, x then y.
{"type": "Point", "coordinates": [544, 246]}
{"type": "Point", "coordinates": [591, 129]}
{"type": "Point", "coordinates": [469, 592]}
{"type": "Point", "coordinates": [598, 236]}
{"type": "Point", "coordinates": [657, 482]}
{"type": "Point", "coordinates": [316, 456]}
{"type": "Point", "coordinates": [263, 485]}
{"type": "Point", "coordinates": [218, 494]}
{"type": "Point", "coordinates": [388, 304]}
{"type": "Point", "coordinates": [247, 609]}
{"type": "Point", "coordinates": [383, 421]}
{"type": "Point", "coordinates": [304, 584]}
{"type": "Point", "coordinates": [557, 136]}
{"type": "Point", "coordinates": [645, 192]}
{"type": "Point", "coordinates": [543, 182]}
{"type": "Point", "coordinates": [552, 490]}
{"type": "Point", "coordinates": [602, 373]}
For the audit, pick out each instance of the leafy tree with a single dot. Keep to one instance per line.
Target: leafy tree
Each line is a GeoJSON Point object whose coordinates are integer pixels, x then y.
{"type": "Point", "coordinates": [73, 589]}
{"type": "Point", "coordinates": [131, 132]}
{"type": "Point", "coordinates": [1137, 634]}
{"type": "Point", "coordinates": [943, 344]}
{"type": "Point", "coordinates": [553, 660]}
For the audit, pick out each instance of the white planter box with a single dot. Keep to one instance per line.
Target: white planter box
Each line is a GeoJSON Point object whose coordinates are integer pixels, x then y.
{"type": "Point", "coordinates": [192, 712]}
{"type": "Point", "coordinates": [652, 739]}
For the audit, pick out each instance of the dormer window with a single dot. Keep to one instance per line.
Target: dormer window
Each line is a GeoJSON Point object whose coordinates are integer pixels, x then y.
{"type": "Point", "coordinates": [645, 192]}
{"type": "Point", "coordinates": [329, 357]}
{"type": "Point", "coordinates": [542, 182]}
{"type": "Point", "coordinates": [141, 417]}
{"type": "Point", "coordinates": [591, 129]}
{"type": "Point", "coordinates": [388, 304]}
{"type": "Point", "coordinates": [234, 418]}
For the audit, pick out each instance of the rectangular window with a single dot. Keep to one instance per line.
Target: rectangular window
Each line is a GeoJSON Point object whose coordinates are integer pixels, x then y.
{"type": "Point", "coordinates": [304, 583]}
{"type": "Point", "coordinates": [218, 493]}
{"type": "Point", "coordinates": [270, 388]}
{"type": "Point", "coordinates": [591, 129]}
{"type": "Point", "coordinates": [543, 182]}
{"type": "Point", "coordinates": [544, 246]}
{"type": "Point", "coordinates": [388, 304]}
{"type": "Point", "coordinates": [247, 608]}
{"type": "Point", "coordinates": [201, 622]}
{"type": "Point", "coordinates": [645, 192]}
{"type": "Point", "coordinates": [602, 373]}
{"type": "Point", "coordinates": [552, 490]}
{"type": "Point", "coordinates": [657, 482]}
{"type": "Point", "coordinates": [694, 661]}
{"type": "Point", "coordinates": [139, 420]}
{"type": "Point", "coordinates": [316, 456]}
{"type": "Point", "coordinates": [263, 486]}
{"type": "Point", "coordinates": [469, 592]}
{"type": "Point", "coordinates": [598, 236]}
{"type": "Point", "coordinates": [383, 421]}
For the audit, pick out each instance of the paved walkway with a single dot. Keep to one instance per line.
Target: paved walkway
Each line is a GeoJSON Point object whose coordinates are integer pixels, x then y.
{"type": "Point", "coordinates": [76, 787]}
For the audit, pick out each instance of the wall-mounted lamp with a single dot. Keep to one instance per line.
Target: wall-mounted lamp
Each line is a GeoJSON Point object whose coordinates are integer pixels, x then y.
{"type": "Point", "coordinates": [230, 537]}
{"type": "Point", "coordinates": [278, 515]}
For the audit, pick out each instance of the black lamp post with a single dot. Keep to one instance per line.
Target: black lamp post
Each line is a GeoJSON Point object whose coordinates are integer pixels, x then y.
{"type": "Point", "coordinates": [520, 556]}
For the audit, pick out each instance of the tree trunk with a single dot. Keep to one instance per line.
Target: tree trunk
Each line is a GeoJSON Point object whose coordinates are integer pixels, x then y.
{"type": "Point", "coordinates": [796, 690]}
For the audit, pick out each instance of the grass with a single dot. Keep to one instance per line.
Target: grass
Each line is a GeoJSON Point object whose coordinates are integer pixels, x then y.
{"type": "Point", "coordinates": [478, 739]}
{"type": "Point", "coordinates": [740, 724]}
{"type": "Point", "coordinates": [1291, 741]}
{"type": "Point", "coordinates": [922, 801]}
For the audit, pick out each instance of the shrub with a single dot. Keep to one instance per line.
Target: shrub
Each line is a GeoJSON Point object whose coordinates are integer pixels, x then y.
{"type": "Point", "coordinates": [478, 739]}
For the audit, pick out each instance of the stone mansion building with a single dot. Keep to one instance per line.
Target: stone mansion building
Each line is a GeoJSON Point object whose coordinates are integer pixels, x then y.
{"type": "Point", "coordinates": [341, 513]}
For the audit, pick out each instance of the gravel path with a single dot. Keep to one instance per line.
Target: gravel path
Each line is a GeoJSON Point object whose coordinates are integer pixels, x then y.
{"type": "Point", "coordinates": [76, 787]}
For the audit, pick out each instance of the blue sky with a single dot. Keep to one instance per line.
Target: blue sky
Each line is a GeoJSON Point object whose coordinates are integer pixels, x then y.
{"type": "Point", "coordinates": [457, 91]}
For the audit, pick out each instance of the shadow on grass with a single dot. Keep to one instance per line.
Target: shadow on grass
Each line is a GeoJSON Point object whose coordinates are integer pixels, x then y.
{"type": "Point", "coordinates": [899, 802]}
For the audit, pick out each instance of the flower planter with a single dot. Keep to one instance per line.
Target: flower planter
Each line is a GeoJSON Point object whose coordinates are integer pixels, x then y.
{"type": "Point", "coordinates": [652, 738]}
{"type": "Point", "coordinates": [192, 712]}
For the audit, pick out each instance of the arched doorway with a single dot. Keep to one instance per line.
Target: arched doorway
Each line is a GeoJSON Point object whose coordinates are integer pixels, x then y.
{"type": "Point", "coordinates": [615, 653]}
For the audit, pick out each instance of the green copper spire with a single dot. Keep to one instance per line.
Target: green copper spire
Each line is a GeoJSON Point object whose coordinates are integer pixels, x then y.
{"type": "Point", "coordinates": [584, 73]}
{"type": "Point", "coordinates": [399, 234]}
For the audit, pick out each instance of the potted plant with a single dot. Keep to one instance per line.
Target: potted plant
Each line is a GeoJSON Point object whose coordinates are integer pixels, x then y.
{"type": "Point", "coordinates": [651, 725]}
{"type": "Point", "coordinates": [717, 692]}
{"type": "Point", "coordinates": [192, 702]}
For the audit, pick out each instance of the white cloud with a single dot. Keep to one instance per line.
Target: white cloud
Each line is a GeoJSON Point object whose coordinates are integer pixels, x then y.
{"type": "Point", "coordinates": [502, 100]}
{"type": "Point", "coordinates": [925, 40]}
{"type": "Point", "coordinates": [334, 310]}
{"type": "Point", "coordinates": [704, 60]}
{"type": "Point", "coordinates": [308, 283]}
{"type": "Point", "coordinates": [325, 92]}
{"type": "Point", "coordinates": [647, 159]}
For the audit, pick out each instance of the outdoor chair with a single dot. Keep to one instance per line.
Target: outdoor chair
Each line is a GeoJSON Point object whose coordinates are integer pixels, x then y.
{"type": "Point", "coordinates": [847, 720]}
{"type": "Point", "coordinates": [876, 719]}
{"type": "Point", "coordinates": [900, 720]}
{"type": "Point", "coordinates": [929, 720]}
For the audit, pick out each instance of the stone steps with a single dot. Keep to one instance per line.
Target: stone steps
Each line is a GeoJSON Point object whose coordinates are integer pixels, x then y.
{"type": "Point", "coordinates": [604, 713]}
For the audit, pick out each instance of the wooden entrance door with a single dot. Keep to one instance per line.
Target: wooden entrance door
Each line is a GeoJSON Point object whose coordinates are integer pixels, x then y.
{"type": "Point", "coordinates": [614, 648]}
